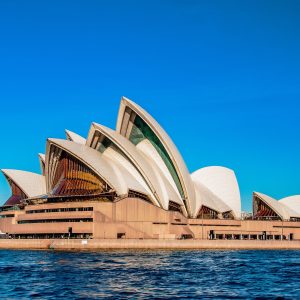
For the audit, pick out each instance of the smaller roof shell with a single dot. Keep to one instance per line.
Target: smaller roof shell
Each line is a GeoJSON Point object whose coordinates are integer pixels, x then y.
{"type": "Point", "coordinates": [221, 182]}
{"type": "Point", "coordinates": [205, 197]}
{"type": "Point", "coordinates": [283, 211]}
{"type": "Point", "coordinates": [31, 184]}
{"type": "Point", "coordinates": [292, 202]}
{"type": "Point", "coordinates": [116, 176]}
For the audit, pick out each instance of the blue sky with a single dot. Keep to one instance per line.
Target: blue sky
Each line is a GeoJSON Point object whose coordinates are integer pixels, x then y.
{"type": "Point", "coordinates": [222, 78]}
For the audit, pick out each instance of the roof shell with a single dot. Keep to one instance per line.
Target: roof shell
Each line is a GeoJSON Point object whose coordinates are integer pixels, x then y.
{"type": "Point", "coordinates": [205, 197]}
{"type": "Point", "coordinates": [148, 151]}
{"type": "Point", "coordinates": [74, 137]}
{"type": "Point", "coordinates": [283, 211]}
{"type": "Point", "coordinates": [31, 184]}
{"type": "Point", "coordinates": [115, 175]}
{"type": "Point", "coordinates": [122, 167]}
{"type": "Point", "coordinates": [292, 202]}
{"type": "Point", "coordinates": [179, 164]}
{"type": "Point", "coordinates": [159, 188]}
{"type": "Point", "coordinates": [222, 183]}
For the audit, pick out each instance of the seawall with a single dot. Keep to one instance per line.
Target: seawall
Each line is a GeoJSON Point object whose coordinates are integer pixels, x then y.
{"type": "Point", "coordinates": [76, 244]}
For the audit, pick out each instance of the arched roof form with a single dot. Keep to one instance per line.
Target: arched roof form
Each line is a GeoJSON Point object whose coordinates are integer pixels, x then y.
{"type": "Point", "coordinates": [74, 137]}
{"type": "Point", "coordinates": [116, 176]}
{"type": "Point", "coordinates": [121, 167]}
{"type": "Point", "coordinates": [31, 184]}
{"type": "Point", "coordinates": [147, 173]}
{"type": "Point", "coordinates": [129, 113]}
{"type": "Point", "coordinates": [292, 202]}
{"type": "Point", "coordinates": [205, 197]}
{"type": "Point", "coordinates": [150, 154]}
{"type": "Point", "coordinates": [284, 212]}
{"type": "Point", "coordinates": [147, 150]}
{"type": "Point", "coordinates": [42, 160]}
{"type": "Point", "coordinates": [222, 182]}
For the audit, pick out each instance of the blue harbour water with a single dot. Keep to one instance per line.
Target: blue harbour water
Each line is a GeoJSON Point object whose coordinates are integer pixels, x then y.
{"type": "Point", "coordinates": [150, 275]}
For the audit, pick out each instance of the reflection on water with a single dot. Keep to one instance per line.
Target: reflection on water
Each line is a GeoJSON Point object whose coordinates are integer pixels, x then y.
{"type": "Point", "coordinates": [149, 274]}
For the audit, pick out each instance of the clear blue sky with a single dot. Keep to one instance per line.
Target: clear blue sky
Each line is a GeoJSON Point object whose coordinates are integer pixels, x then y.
{"type": "Point", "coordinates": [222, 78]}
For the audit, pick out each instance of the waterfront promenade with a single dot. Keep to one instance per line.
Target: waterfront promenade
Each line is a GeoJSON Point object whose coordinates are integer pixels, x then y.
{"type": "Point", "coordinates": [70, 244]}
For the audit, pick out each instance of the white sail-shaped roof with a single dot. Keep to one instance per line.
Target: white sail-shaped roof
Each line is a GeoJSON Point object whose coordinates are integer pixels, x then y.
{"type": "Point", "coordinates": [221, 182]}
{"type": "Point", "coordinates": [149, 152]}
{"type": "Point", "coordinates": [205, 197]}
{"type": "Point", "coordinates": [166, 148]}
{"type": "Point", "coordinates": [114, 174]}
{"type": "Point", "coordinates": [74, 137]}
{"type": "Point", "coordinates": [283, 211]}
{"type": "Point", "coordinates": [151, 176]}
{"type": "Point", "coordinates": [292, 202]}
{"type": "Point", "coordinates": [31, 184]}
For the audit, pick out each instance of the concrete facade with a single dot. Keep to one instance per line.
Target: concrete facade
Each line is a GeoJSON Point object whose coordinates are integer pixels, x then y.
{"type": "Point", "coordinates": [133, 218]}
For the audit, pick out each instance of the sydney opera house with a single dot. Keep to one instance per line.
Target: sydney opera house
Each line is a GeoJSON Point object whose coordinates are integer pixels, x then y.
{"type": "Point", "coordinates": [132, 183]}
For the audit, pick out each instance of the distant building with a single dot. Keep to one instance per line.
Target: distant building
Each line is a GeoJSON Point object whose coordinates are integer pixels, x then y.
{"type": "Point", "coordinates": [246, 215]}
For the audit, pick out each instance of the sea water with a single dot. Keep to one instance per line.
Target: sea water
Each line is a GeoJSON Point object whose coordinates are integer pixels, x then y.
{"type": "Point", "coordinates": [151, 274]}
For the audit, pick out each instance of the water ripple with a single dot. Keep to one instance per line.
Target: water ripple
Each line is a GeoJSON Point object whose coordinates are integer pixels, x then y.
{"type": "Point", "coordinates": [150, 275]}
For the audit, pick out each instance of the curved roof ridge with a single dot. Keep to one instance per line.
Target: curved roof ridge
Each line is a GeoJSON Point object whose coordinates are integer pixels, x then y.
{"type": "Point", "coordinates": [120, 168]}
{"type": "Point", "coordinates": [42, 157]}
{"type": "Point", "coordinates": [171, 194]}
{"type": "Point", "coordinates": [292, 202]}
{"type": "Point", "coordinates": [289, 197]}
{"type": "Point", "coordinates": [169, 146]}
{"type": "Point", "coordinates": [146, 149]}
{"type": "Point", "coordinates": [148, 171]}
{"type": "Point", "coordinates": [283, 211]}
{"type": "Point", "coordinates": [32, 184]}
{"type": "Point", "coordinates": [74, 137]}
{"type": "Point", "coordinates": [105, 168]}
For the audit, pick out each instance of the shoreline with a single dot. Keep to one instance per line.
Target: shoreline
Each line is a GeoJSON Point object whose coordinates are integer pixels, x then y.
{"type": "Point", "coordinates": [114, 244]}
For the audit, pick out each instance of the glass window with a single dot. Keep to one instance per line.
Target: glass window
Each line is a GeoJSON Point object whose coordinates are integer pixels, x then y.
{"type": "Point", "coordinates": [104, 145]}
